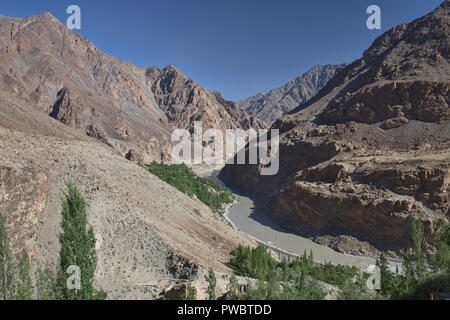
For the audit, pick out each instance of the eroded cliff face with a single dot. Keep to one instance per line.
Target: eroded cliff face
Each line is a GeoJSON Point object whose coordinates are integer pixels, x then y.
{"type": "Point", "coordinates": [426, 101]}
{"type": "Point", "coordinates": [371, 201]}
{"type": "Point", "coordinates": [371, 150]}
{"type": "Point", "coordinates": [59, 73]}
{"type": "Point", "coordinates": [184, 101]}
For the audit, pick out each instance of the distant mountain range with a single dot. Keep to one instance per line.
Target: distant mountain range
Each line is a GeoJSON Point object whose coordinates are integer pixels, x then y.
{"type": "Point", "coordinates": [274, 104]}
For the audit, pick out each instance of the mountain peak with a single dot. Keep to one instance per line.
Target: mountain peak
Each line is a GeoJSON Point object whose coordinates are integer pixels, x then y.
{"type": "Point", "coordinates": [174, 71]}
{"type": "Point", "coordinates": [49, 16]}
{"type": "Point", "coordinates": [171, 67]}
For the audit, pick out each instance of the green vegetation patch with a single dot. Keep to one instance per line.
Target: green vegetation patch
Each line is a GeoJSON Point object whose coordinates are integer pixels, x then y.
{"type": "Point", "coordinates": [258, 263]}
{"type": "Point", "coordinates": [425, 275]}
{"type": "Point", "coordinates": [276, 280]}
{"type": "Point", "coordinates": [184, 179]}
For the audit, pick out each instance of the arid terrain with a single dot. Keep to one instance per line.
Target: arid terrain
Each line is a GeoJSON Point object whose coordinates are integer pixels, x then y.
{"type": "Point", "coordinates": [358, 160]}
{"type": "Point", "coordinates": [148, 233]}
{"type": "Point", "coordinates": [50, 69]}
{"type": "Point", "coordinates": [371, 150]}
{"type": "Point", "coordinates": [70, 112]}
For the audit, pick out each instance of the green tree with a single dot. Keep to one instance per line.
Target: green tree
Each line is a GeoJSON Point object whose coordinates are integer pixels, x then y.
{"type": "Point", "coordinates": [273, 289]}
{"type": "Point", "coordinates": [311, 258]}
{"type": "Point", "coordinates": [385, 274]}
{"type": "Point", "coordinates": [184, 179]}
{"type": "Point", "coordinates": [417, 281]}
{"type": "Point", "coordinates": [391, 285]}
{"type": "Point", "coordinates": [191, 292]}
{"type": "Point", "coordinates": [45, 284]}
{"type": "Point", "coordinates": [304, 257]}
{"type": "Point", "coordinates": [233, 288]}
{"type": "Point", "coordinates": [409, 279]}
{"type": "Point", "coordinates": [211, 284]}
{"type": "Point", "coordinates": [6, 267]}
{"type": "Point", "coordinates": [249, 291]}
{"type": "Point", "coordinates": [417, 235]}
{"type": "Point", "coordinates": [77, 249]}
{"type": "Point", "coordinates": [24, 290]}
{"type": "Point", "coordinates": [354, 289]}
{"type": "Point", "coordinates": [440, 261]}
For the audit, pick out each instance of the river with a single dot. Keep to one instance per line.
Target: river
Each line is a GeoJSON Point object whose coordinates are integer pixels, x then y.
{"type": "Point", "coordinates": [248, 215]}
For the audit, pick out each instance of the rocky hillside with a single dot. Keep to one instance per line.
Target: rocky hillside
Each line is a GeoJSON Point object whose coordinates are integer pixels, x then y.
{"type": "Point", "coordinates": [274, 104]}
{"type": "Point", "coordinates": [184, 101]}
{"type": "Point", "coordinates": [372, 149]}
{"type": "Point", "coordinates": [63, 75]}
{"type": "Point", "coordinates": [148, 233]}
{"type": "Point", "coordinates": [70, 112]}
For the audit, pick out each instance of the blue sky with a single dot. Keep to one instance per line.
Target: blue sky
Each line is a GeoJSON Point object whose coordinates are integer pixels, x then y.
{"type": "Point", "coordinates": [237, 47]}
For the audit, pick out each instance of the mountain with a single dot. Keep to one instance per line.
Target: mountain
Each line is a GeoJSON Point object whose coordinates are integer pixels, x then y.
{"type": "Point", "coordinates": [272, 105]}
{"type": "Point", "coordinates": [69, 112]}
{"type": "Point", "coordinates": [184, 102]}
{"type": "Point", "coordinates": [61, 74]}
{"type": "Point", "coordinates": [371, 150]}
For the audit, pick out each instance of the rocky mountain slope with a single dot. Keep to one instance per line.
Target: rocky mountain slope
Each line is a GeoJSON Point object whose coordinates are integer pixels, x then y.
{"type": "Point", "coordinates": [274, 104]}
{"type": "Point", "coordinates": [148, 233]}
{"type": "Point", "coordinates": [371, 150]}
{"type": "Point", "coordinates": [63, 75]}
{"type": "Point", "coordinates": [70, 112]}
{"type": "Point", "coordinates": [184, 102]}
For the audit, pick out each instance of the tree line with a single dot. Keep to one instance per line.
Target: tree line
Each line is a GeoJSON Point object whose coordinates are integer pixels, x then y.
{"type": "Point", "coordinates": [424, 274]}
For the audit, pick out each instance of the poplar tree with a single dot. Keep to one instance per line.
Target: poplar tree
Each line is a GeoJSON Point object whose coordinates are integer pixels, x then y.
{"type": "Point", "coordinates": [440, 261]}
{"type": "Point", "coordinates": [24, 284]}
{"type": "Point", "coordinates": [6, 267]}
{"type": "Point", "coordinates": [417, 234]}
{"type": "Point", "coordinates": [311, 258]}
{"type": "Point", "coordinates": [77, 249]}
{"type": "Point", "coordinates": [233, 287]}
{"type": "Point", "coordinates": [191, 292]}
{"type": "Point", "coordinates": [45, 284]}
{"type": "Point", "coordinates": [211, 284]}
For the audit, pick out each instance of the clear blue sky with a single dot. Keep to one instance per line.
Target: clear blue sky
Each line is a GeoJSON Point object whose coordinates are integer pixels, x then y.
{"type": "Point", "coordinates": [237, 47]}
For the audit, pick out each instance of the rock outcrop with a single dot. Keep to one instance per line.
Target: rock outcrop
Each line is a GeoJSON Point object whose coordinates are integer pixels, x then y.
{"type": "Point", "coordinates": [371, 150]}
{"type": "Point", "coordinates": [184, 101]}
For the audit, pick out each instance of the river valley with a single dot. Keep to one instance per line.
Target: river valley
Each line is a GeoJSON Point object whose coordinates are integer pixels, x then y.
{"type": "Point", "coordinates": [248, 214]}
